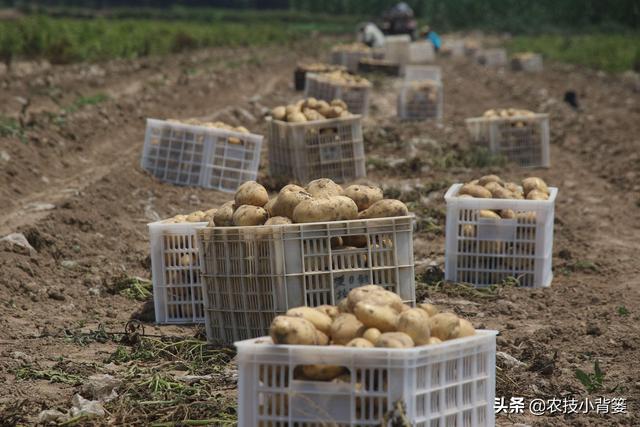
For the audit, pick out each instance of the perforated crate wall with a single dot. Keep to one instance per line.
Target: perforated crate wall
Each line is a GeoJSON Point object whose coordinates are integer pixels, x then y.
{"type": "Point", "coordinates": [448, 384]}
{"type": "Point", "coordinates": [349, 59]}
{"type": "Point", "coordinates": [532, 63]}
{"type": "Point", "coordinates": [175, 272]}
{"type": "Point", "coordinates": [486, 251]}
{"type": "Point", "coordinates": [397, 49]}
{"type": "Point", "coordinates": [422, 72]}
{"type": "Point", "coordinates": [252, 274]}
{"type": "Point", "coordinates": [496, 57]}
{"type": "Point", "coordinates": [200, 156]}
{"type": "Point", "coordinates": [421, 52]}
{"type": "Point", "coordinates": [320, 149]}
{"type": "Point", "coordinates": [356, 97]}
{"type": "Point", "coordinates": [523, 140]}
{"type": "Point", "coordinates": [416, 103]}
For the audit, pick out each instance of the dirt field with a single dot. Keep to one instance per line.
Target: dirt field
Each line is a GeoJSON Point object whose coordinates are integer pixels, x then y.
{"type": "Point", "coordinates": [72, 184]}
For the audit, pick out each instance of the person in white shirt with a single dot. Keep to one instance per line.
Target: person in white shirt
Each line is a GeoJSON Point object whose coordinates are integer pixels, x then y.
{"type": "Point", "coordinates": [370, 34]}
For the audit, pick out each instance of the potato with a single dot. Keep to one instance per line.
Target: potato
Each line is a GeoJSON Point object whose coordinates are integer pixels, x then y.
{"type": "Point", "coordinates": [208, 215]}
{"type": "Point", "coordinates": [415, 323]}
{"type": "Point", "coordinates": [247, 215]}
{"type": "Point", "coordinates": [287, 201]}
{"type": "Point", "coordinates": [486, 213]}
{"type": "Point", "coordinates": [466, 329]}
{"type": "Point", "coordinates": [312, 115]}
{"type": "Point", "coordinates": [395, 340]}
{"type": "Point", "coordinates": [324, 187]}
{"type": "Point", "coordinates": [372, 335]}
{"type": "Point", "coordinates": [534, 183]}
{"type": "Point", "coordinates": [475, 191]}
{"type": "Point", "coordinates": [310, 102]}
{"type": "Point", "coordinates": [339, 103]}
{"type": "Point", "coordinates": [291, 187]}
{"type": "Point", "coordinates": [314, 210]}
{"type": "Point", "coordinates": [374, 294]}
{"type": "Point", "coordinates": [385, 208]}
{"type": "Point", "coordinates": [360, 343]}
{"type": "Point", "coordinates": [269, 206]}
{"type": "Point", "coordinates": [330, 310]}
{"type": "Point", "coordinates": [292, 109]}
{"type": "Point", "coordinates": [224, 215]}
{"type": "Point", "coordinates": [333, 112]}
{"type": "Point", "coordinates": [434, 340]}
{"type": "Point", "coordinates": [468, 230]}
{"type": "Point", "coordinates": [445, 326]}
{"type": "Point", "coordinates": [346, 209]}
{"type": "Point", "coordinates": [251, 193]}
{"type": "Point", "coordinates": [507, 214]}
{"type": "Point", "coordinates": [322, 372]}
{"type": "Point", "coordinates": [293, 330]}
{"type": "Point", "coordinates": [323, 108]}
{"type": "Point", "coordinates": [321, 338]}
{"type": "Point", "coordinates": [381, 317]}
{"type": "Point", "coordinates": [279, 113]}
{"type": "Point", "coordinates": [536, 194]}
{"type": "Point", "coordinates": [197, 216]}
{"type": "Point", "coordinates": [336, 242]}
{"type": "Point", "coordinates": [346, 327]}
{"type": "Point", "coordinates": [343, 306]}
{"type": "Point", "coordinates": [296, 117]}
{"type": "Point", "coordinates": [363, 195]}
{"type": "Point", "coordinates": [321, 321]}
{"type": "Point", "coordinates": [278, 220]}
{"type": "Point", "coordinates": [514, 188]}
{"type": "Point", "coordinates": [489, 178]}
{"type": "Point", "coordinates": [492, 186]}
{"type": "Point", "coordinates": [355, 241]}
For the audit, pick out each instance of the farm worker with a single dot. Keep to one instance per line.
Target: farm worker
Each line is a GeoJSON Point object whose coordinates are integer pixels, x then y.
{"type": "Point", "coordinates": [370, 34]}
{"type": "Point", "coordinates": [400, 19]}
{"type": "Point", "coordinates": [431, 36]}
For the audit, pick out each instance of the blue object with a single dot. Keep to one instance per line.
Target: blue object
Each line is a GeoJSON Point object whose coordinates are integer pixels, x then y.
{"type": "Point", "coordinates": [434, 38]}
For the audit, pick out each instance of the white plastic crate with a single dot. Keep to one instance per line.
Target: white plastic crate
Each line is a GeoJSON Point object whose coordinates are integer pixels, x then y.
{"type": "Point", "coordinates": [530, 63]}
{"type": "Point", "coordinates": [252, 274]}
{"type": "Point", "coordinates": [421, 52]}
{"type": "Point", "coordinates": [420, 100]}
{"type": "Point", "coordinates": [485, 251]}
{"type": "Point", "coordinates": [356, 97]}
{"type": "Point", "coordinates": [448, 384]}
{"type": "Point", "coordinates": [349, 59]}
{"type": "Point", "coordinates": [496, 57]}
{"type": "Point", "coordinates": [175, 272]}
{"type": "Point", "coordinates": [453, 47]}
{"type": "Point", "coordinates": [320, 149]}
{"type": "Point", "coordinates": [422, 72]}
{"type": "Point", "coordinates": [520, 139]}
{"type": "Point", "coordinates": [202, 156]}
{"type": "Point", "coordinates": [397, 49]}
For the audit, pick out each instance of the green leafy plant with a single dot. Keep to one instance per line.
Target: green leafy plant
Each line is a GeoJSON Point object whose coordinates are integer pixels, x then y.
{"type": "Point", "coordinates": [591, 381]}
{"type": "Point", "coordinates": [135, 288]}
{"type": "Point", "coordinates": [623, 311]}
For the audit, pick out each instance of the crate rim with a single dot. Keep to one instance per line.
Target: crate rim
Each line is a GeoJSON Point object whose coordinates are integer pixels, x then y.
{"type": "Point", "coordinates": [479, 203]}
{"type": "Point", "coordinates": [505, 119]}
{"type": "Point", "coordinates": [335, 120]}
{"type": "Point", "coordinates": [253, 136]}
{"type": "Point", "coordinates": [162, 223]}
{"type": "Point", "coordinates": [257, 343]}
{"type": "Point", "coordinates": [318, 77]}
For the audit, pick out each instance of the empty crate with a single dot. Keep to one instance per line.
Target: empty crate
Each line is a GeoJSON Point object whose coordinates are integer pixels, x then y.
{"type": "Point", "coordinates": [420, 100]}
{"type": "Point", "coordinates": [522, 139]}
{"type": "Point", "coordinates": [397, 49]}
{"type": "Point", "coordinates": [175, 272]}
{"type": "Point", "coordinates": [320, 149]}
{"type": "Point", "coordinates": [421, 52]}
{"type": "Point", "coordinates": [486, 251]}
{"type": "Point", "coordinates": [252, 274]}
{"type": "Point", "coordinates": [422, 72]}
{"type": "Point", "coordinates": [355, 96]}
{"type": "Point", "coordinates": [448, 384]}
{"type": "Point", "coordinates": [496, 57]}
{"type": "Point", "coordinates": [209, 157]}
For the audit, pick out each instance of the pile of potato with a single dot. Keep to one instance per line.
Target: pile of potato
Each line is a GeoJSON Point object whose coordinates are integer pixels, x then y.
{"type": "Point", "coordinates": [196, 216]}
{"type": "Point", "coordinates": [524, 56]}
{"type": "Point", "coordinates": [351, 47]}
{"type": "Point", "coordinates": [368, 317]}
{"type": "Point", "coordinates": [310, 110]}
{"type": "Point", "coordinates": [509, 113]}
{"type": "Point", "coordinates": [217, 125]}
{"type": "Point", "coordinates": [344, 78]}
{"type": "Point", "coordinates": [322, 200]}
{"type": "Point", "coordinates": [421, 89]}
{"type": "Point", "coordinates": [319, 67]}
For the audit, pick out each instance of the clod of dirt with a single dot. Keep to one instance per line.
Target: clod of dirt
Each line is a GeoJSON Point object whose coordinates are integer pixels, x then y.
{"type": "Point", "coordinates": [593, 329]}
{"type": "Point", "coordinates": [55, 295]}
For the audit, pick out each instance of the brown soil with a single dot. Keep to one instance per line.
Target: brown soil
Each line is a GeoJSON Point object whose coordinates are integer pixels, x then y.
{"type": "Point", "coordinates": [72, 184]}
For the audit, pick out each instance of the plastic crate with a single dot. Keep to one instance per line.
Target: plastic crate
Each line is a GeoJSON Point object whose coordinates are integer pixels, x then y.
{"type": "Point", "coordinates": [320, 149]}
{"type": "Point", "coordinates": [356, 97]}
{"type": "Point", "coordinates": [420, 103]}
{"type": "Point", "coordinates": [522, 139]}
{"type": "Point", "coordinates": [531, 63]}
{"type": "Point", "coordinates": [379, 66]}
{"type": "Point", "coordinates": [300, 73]}
{"type": "Point", "coordinates": [349, 59]}
{"type": "Point", "coordinates": [252, 274]}
{"type": "Point", "coordinates": [485, 251]}
{"type": "Point", "coordinates": [454, 48]}
{"type": "Point", "coordinates": [448, 384]}
{"type": "Point", "coordinates": [202, 156]}
{"type": "Point", "coordinates": [496, 57]}
{"type": "Point", "coordinates": [397, 49]}
{"type": "Point", "coordinates": [422, 72]}
{"type": "Point", "coordinates": [421, 52]}
{"type": "Point", "coordinates": [175, 272]}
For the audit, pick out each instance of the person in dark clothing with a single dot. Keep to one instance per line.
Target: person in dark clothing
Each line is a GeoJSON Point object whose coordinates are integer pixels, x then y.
{"type": "Point", "coordinates": [400, 19]}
